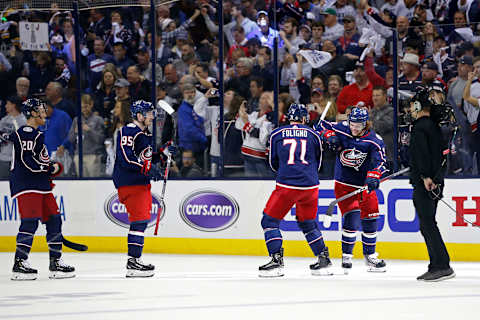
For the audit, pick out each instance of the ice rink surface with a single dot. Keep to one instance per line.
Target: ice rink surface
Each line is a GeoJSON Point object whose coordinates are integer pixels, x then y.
{"type": "Point", "coordinates": [228, 287]}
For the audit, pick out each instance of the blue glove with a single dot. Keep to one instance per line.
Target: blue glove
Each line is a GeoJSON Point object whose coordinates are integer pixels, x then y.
{"type": "Point", "coordinates": [172, 149]}
{"type": "Point", "coordinates": [373, 180]}
{"type": "Point", "coordinates": [155, 173]}
{"type": "Point", "coordinates": [330, 138]}
{"type": "Point", "coordinates": [169, 148]}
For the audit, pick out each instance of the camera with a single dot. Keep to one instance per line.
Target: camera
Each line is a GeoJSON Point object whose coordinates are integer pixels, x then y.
{"type": "Point", "coordinates": [214, 92]}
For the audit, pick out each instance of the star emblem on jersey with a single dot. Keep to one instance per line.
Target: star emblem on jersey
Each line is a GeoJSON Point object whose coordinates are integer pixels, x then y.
{"type": "Point", "coordinates": [352, 158]}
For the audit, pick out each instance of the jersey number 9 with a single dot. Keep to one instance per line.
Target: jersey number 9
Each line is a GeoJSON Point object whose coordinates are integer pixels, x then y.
{"type": "Point", "coordinates": [127, 141]}
{"type": "Point", "coordinates": [293, 146]}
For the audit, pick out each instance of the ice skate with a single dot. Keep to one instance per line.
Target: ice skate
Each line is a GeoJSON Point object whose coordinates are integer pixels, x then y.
{"type": "Point", "coordinates": [321, 267]}
{"type": "Point", "coordinates": [23, 271]}
{"type": "Point", "coordinates": [60, 270]}
{"type": "Point", "coordinates": [374, 264]}
{"type": "Point", "coordinates": [347, 262]}
{"type": "Point", "coordinates": [274, 268]}
{"type": "Point", "coordinates": [136, 268]}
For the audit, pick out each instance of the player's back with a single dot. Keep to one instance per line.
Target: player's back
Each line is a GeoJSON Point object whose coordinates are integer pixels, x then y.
{"type": "Point", "coordinates": [296, 155]}
{"type": "Point", "coordinates": [132, 145]}
{"type": "Point", "coordinates": [29, 168]}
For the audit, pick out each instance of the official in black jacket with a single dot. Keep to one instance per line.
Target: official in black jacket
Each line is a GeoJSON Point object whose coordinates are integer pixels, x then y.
{"type": "Point", "coordinates": [427, 149]}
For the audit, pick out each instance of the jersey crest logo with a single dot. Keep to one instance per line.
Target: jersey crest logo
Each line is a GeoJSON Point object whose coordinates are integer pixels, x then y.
{"type": "Point", "coordinates": [352, 158]}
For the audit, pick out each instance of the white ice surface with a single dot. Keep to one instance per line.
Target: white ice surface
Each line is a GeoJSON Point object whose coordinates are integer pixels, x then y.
{"type": "Point", "coordinates": [228, 287]}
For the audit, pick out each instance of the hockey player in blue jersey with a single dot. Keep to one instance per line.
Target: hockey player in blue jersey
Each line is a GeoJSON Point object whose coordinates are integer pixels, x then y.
{"type": "Point", "coordinates": [360, 161]}
{"type": "Point", "coordinates": [132, 173]}
{"type": "Point", "coordinates": [295, 156]}
{"type": "Point", "coordinates": [30, 183]}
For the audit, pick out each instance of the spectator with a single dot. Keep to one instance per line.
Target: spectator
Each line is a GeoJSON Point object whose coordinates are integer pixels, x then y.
{"type": "Point", "coordinates": [256, 90]}
{"type": "Point", "coordinates": [96, 63]}
{"type": "Point", "coordinates": [263, 32]}
{"type": "Point", "coordinates": [338, 64]}
{"type": "Point", "coordinates": [140, 88]}
{"type": "Point", "coordinates": [9, 124]}
{"type": "Point", "coordinates": [120, 59]}
{"type": "Point", "coordinates": [205, 82]}
{"type": "Point", "coordinates": [171, 32]}
{"type": "Point", "coordinates": [172, 79]}
{"type": "Point", "coordinates": [264, 66]}
{"type": "Point", "coordinates": [191, 132]}
{"type": "Point", "coordinates": [404, 33]}
{"type": "Point", "coordinates": [429, 76]}
{"type": "Point", "coordinates": [23, 88]}
{"type": "Point", "coordinates": [240, 43]}
{"type": "Point", "coordinates": [360, 90]}
{"type": "Point", "coordinates": [333, 29]}
{"type": "Point", "coordinates": [145, 65]}
{"type": "Point", "coordinates": [342, 10]}
{"type": "Point", "coordinates": [189, 168]}
{"type": "Point", "coordinates": [305, 32]}
{"type": "Point", "coordinates": [104, 98]}
{"type": "Point", "coordinates": [164, 53]}
{"type": "Point", "coordinates": [381, 116]}
{"type": "Point", "coordinates": [460, 21]}
{"type": "Point", "coordinates": [93, 134]}
{"type": "Point", "coordinates": [54, 95]}
{"type": "Point", "coordinates": [348, 42]}
{"type": "Point", "coordinates": [411, 77]}
{"type": "Point", "coordinates": [98, 27]}
{"type": "Point", "coordinates": [239, 18]}
{"type": "Point", "coordinates": [335, 85]}
{"type": "Point", "coordinates": [188, 59]}
{"type": "Point", "coordinates": [289, 35]}
{"type": "Point", "coordinates": [56, 130]}
{"type": "Point", "coordinates": [62, 73]}
{"type": "Point", "coordinates": [316, 43]}
{"type": "Point", "coordinates": [120, 33]}
{"type": "Point", "coordinates": [284, 102]}
{"type": "Point", "coordinates": [455, 91]}
{"type": "Point", "coordinates": [41, 73]}
{"type": "Point", "coordinates": [240, 82]}
{"type": "Point", "coordinates": [256, 128]}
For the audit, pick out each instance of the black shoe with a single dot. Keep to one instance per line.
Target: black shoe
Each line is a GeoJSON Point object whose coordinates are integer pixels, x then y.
{"type": "Point", "coordinates": [60, 270]}
{"type": "Point", "coordinates": [422, 277]}
{"type": "Point", "coordinates": [22, 270]}
{"type": "Point", "coordinates": [374, 264]}
{"type": "Point", "coordinates": [137, 269]}
{"type": "Point", "coordinates": [347, 262]}
{"type": "Point", "coordinates": [439, 275]}
{"type": "Point", "coordinates": [274, 268]}
{"type": "Point", "coordinates": [320, 267]}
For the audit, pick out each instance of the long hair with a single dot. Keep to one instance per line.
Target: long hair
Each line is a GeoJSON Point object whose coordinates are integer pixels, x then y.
{"type": "Point", "coordinates": [234, 107]}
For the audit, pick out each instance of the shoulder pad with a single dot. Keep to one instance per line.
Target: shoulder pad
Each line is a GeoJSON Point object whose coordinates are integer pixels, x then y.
{"type": "Point", "coordinates": [378, 136]}
{"type": "Point", "coordinates": [28, 129]}
{"type": "Point", "coordinates": [345, 123]}
{"type": "Point", "coordinates": [131, 125]}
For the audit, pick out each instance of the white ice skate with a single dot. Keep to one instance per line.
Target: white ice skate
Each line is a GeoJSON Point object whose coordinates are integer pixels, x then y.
{"type": "Point", "coordinates": [374, 264]}
{"type": "Point", "coordinates": [274, 268]}
{"type": "Point", "coordinates": [136, 268]}
{"type": "Point", "coordinates": [23, 271]}
{"type": "Point", "coordinates": [60, 270]}
{"type": "Point", "coordinates": [347, 262]}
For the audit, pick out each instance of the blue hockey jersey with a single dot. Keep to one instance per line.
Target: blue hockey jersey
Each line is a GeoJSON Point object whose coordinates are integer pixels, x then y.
{"type": "Point", "coordinates": [296, 156]}
{"type": "Point", "coordinates": [357, 155]}
{"type": "Point", "coordinates": [133, 148]}
{"type": "Point", "coordinates": [30, 163]}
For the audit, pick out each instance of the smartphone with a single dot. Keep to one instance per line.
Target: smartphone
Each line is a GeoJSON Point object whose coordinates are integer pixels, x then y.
{"type": "Point", "coordinates": [214, 92]}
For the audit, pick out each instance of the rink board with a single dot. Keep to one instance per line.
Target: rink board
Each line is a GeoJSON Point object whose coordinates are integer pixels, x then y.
{"type": "Point", "coordinates": [223, 217]}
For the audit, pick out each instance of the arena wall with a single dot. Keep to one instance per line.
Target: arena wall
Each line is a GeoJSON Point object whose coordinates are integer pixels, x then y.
{"type": "Point", "coordinates": [223, 217]}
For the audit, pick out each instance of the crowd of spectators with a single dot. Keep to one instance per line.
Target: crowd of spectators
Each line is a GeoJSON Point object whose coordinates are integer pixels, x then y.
{"type": "Point", "coordinates": [437, 46]}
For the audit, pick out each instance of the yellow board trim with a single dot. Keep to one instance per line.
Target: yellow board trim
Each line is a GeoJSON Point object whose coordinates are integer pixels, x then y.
{"type": "Point", "coordinates": [251, 247]}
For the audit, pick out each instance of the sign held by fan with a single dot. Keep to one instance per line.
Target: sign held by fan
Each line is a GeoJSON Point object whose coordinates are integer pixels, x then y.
{"type": "Point", "coordinates": [34, 36]}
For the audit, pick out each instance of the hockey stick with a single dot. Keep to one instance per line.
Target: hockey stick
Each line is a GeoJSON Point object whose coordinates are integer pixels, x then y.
{"type": "Point", "coordinates": [73, 245]}
{"type": "Point", "coordinates": [324, 113]}
{"type": "Point", "coordinates": [327, 220]}
{"type": "Point", "coordinates": [165, 177]}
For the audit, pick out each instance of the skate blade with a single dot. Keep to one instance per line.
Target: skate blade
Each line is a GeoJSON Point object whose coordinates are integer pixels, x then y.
{"type": "Point", "coordinates": [61, 275]}
{"type": "Point", "coordinates": [16, 276]}
{"type": "Point", "coordinates": [278, 272]}
{"type": "Point", "coordinates": [322, 272]}
{"type": "Point", "coordinates": [376, 270]}
{"type": "Point", "coordinates": [442, 278]}
{"type": "Point", "coordinates": [346, 270]}
{"type": "Point", "coordinates": [139, 274]}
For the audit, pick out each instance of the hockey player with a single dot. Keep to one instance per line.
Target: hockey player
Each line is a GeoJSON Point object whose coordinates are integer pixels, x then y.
{"type": "Point", "coordinates": [30, 183]}
{"type": "Point", "coordinates": [360, 161]}
{"type": "Point", "coordinates": [132, 173]}
{"type": "Point", "coordinates": [295, 155]}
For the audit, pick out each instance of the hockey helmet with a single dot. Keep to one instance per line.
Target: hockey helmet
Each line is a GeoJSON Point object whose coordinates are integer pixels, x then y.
{"type": "Point", "coordinates": [358, 114]}
{"type": "Point", "coordinates": [296, 112]}
{"type": "Point", "coordinates": [31, 105]}
{"type": "Point", "coordinates": [142, 107]}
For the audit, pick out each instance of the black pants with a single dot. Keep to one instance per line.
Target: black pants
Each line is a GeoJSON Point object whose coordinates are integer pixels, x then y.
{"type": "Point", "coordinates": [426, 210]}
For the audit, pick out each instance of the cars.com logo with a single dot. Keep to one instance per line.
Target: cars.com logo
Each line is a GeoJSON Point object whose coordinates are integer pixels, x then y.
{"type": "Point", "coordinates": [209, 210]}
{"type": "Point", "coordinates": [117, 212]}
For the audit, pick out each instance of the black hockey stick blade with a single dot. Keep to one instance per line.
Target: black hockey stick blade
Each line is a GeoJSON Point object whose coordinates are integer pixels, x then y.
{"type": "Point", "coordinates": [74, 246]}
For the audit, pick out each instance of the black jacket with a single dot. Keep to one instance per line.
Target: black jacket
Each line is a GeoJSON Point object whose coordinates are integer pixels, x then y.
{"type": "Point", "coordinates": [426, 152]}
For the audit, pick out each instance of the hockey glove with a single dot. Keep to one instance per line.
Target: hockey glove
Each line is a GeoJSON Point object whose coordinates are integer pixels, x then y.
{"type": "Point", "coordinates": [155, 173]}
{"type": "Point", "coordinates": [330, 138]}
{"type": "Point", "coordinates": [373, 180]}
{"type": "Point", "coordinates": [55, 169]}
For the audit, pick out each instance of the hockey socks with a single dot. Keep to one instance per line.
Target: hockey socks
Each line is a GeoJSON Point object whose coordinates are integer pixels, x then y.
{"type": "Point", "coordinates": [349, 234]}
{"type": "Point", "coordinates": [313, 235]}
{"type": "Point", "coordinates": [25, 238]}
{"type": "Point", "coordinates": [54, 236]}
{"type": "Point", "coordinates": [369, 236]}
{"type": "Point", "coordinates": [273, 237]}
{"type": "Point", "coordinates": [135, 238]}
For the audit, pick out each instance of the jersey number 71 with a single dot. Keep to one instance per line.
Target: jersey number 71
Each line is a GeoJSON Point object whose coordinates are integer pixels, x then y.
{"type": "Point", "coordinates": [293, 146]}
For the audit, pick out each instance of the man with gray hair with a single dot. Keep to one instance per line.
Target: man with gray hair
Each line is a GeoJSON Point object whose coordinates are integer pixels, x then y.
{"type": "Point", "coordinates": [191, 132]}
{"type": "Point", "coordinates": [240, 81]}
{"type": "Point", "coordinates": [54, 95]}
{"type": "Point", "coordinates": [23, 87]}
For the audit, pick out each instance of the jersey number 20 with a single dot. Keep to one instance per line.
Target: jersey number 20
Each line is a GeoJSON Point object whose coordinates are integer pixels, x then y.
{"type": "Point", "coordinates": [293, 146]}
